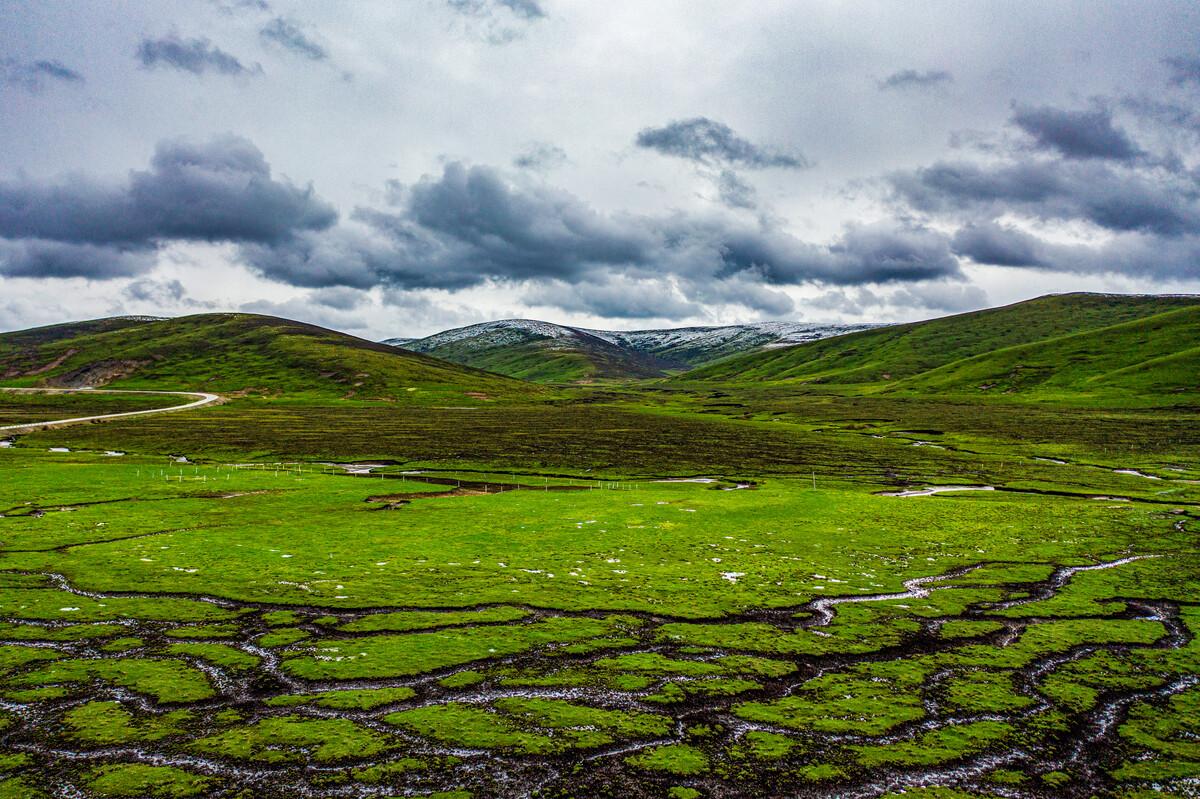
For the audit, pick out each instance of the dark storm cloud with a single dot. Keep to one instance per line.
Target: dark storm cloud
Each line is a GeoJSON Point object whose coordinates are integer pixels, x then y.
{"type": "Point", "coordinates": [197, 56]}
{"type": "Point", "coordinates": [218, 191]}
{"type": "Point", "coordinates": [1148, 200]}
{"type": "Point", "coordinates": [540, 156]}
{"type": "Point", "coordinates": [912, 79]}
{"type": "Point", "coordinates": [1134, 254]}
{"type": "Point", "coordinates": [1081, 168]}
{"type": "Point", "coordinates": [40, 258]}
{"type": "Point", "coordinates": [520, 233]}
{"type": "Point", "coordinates": [342, 257]}
{"type": "Point", "coordinates": [289, 36]}
{"type": "Point", "coordinates": [1076, 134]}
{"type": "Point", "coordinates": [1183, 70]}
{"type": "Point", "coordinates": [884, 252]}
{"type": "Point", "coordinates": [990, 243]}
{"type": "Point", "coordinates": [469, 226]}
{"type": "Point", "coordinates": [33, 76]}
{"type": "Point", "coordinates": [709, 142]}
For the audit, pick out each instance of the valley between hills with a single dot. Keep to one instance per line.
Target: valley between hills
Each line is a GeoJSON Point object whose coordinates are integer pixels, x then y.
{"type": "Point", "coordinates": [949, 559]}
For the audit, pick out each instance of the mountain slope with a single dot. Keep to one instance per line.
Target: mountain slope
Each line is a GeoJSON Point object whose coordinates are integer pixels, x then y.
{"type": "Point", "coordinates": [233, 353]}
{"type": "Point", "coordinates": [547, 352]}
{"type": "Point", "coordinates": [883, 355]}
{"type": "Point", "coordinates": [36, 336]}
{"type": "Point", "coordinates": [539, 351]}
{"type": "Point", "coordinates": [1156, 355]}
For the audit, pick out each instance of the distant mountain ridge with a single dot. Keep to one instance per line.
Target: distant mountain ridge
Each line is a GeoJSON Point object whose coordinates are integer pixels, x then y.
{"type": "Point", "coordinates": [547, 352]}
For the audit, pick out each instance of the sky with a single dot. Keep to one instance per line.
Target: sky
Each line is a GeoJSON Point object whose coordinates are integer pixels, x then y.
{"type": "Point", "coordinates": [399, 167]}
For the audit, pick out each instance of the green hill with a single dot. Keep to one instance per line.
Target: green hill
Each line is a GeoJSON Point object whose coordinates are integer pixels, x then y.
{"type": "Point", "coordinates": [1154, 355]}
{"type": "Point", "coordinates": [1056, 343]}
{"type": "Point", "coordinates": [238, 353]}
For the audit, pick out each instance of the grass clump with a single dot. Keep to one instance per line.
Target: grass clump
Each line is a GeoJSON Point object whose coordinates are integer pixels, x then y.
{"type": "Point", "coordinates": [153, 782]}
{"type": "Point", "coordinates": [680, 760]}
{"type": "Point", "coordinates": [295, 739]}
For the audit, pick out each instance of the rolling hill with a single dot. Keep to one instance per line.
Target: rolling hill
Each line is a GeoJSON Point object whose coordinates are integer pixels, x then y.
{"type": "Point", "coordinates": [1053, 344]}
{"type": "Point", "coordinates": [1155, 355]}
{"type": "Point", "coordinates": [237, 353]}
{"type": "Point", "coordinates": [551, 353]}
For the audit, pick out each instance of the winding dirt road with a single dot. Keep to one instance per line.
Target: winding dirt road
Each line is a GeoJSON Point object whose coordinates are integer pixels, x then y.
{"type": "Point", "coordinates": [204, 399]}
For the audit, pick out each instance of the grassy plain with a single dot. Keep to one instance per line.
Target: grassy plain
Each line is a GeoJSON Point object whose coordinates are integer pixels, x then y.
{"type": "Point", "coordinates": [535, 595]}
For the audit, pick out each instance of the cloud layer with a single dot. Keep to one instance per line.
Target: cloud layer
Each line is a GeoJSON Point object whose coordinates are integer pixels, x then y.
{"type": "Point", "coordinates": [414, 161]}
{"type": "Point", "coordinates": [217, 191]}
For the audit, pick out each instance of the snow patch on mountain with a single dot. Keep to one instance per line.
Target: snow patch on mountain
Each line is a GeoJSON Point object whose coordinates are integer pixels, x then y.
{"type": "Point", "coordinates": [752, 334]}
{"type": "Point", "coordinates": [500, 333]}
{"type": "Point", "coordinates": [674, 347]}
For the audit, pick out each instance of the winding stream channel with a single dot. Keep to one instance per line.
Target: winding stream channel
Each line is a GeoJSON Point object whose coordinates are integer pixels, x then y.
{"type": "Point", "coordinates": [1083, 748]}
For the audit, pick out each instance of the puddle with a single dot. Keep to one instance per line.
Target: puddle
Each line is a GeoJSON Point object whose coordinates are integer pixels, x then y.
{"type": "Point", "coordinates": [927, 492]}
{"type": "Point", "coordinates": [1135, 473]}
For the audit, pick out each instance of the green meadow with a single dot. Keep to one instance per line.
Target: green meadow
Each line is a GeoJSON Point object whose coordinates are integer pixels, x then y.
{"type": "Point", "coordinates": [675, 589]}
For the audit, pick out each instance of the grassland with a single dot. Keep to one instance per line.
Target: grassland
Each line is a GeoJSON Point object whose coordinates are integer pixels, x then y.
{"type": "Point", "coordinates": [665, 590]}
{"type": "Point", "coordinates": [22, 408]}
{"type": "Point", "coordinates": [242, 354]}
{"type": "Point", "coordinates": [575, 357]}
{"type": "Point", "coordinates": [1064, 347]}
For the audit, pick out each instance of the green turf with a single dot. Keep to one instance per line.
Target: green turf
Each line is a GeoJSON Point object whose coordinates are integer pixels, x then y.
{"type": "Point", "coordinates": [515, 598]}
{"type": "Point", "coordinates": [242, 353]}
{"type": "Point", "coordinates": [1106, 342]}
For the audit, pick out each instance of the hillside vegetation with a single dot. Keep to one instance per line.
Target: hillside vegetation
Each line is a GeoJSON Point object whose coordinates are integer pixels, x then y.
{"type": "Point", "coordinates": [1055, 345]}
{"type": "Point", "coordinates": [549, 353]}
{"type": "Point", "coordinates": [539, 351]}
{"type": "Point", "coordinates": [1155, 355]}
{"type": "Point", "coordinates": [238, 353]}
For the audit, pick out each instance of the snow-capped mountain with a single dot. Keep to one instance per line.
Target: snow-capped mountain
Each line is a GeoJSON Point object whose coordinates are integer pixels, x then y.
{"type": "Point", "coordinates": [549, 352]}
{"type": "Point", "coordinates": [693, 346]}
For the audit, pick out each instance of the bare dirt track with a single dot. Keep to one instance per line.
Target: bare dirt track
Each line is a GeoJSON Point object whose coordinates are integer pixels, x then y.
{"type": "Point", "coordinates": [203, 398]}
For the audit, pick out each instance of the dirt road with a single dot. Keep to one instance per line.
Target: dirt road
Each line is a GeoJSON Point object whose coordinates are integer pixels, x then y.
{"type": "Point", "coordinates": [204, 399]}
